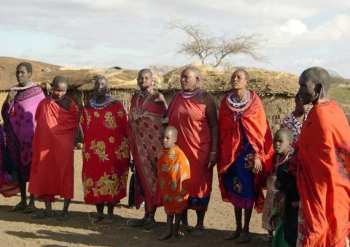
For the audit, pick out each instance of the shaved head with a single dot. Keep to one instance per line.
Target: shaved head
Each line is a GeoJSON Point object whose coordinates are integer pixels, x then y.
{"type": "Point", "coordinates": [58, 80]}
{"type": "Point", "coordinates": [193, 69]}
{"type": "Point", "coordinates": [145, 71]}
{"type": "Point", "coordinates": [317, 75]}
{"type": "Point", "coordinates": [284, 132]}
{"type": "Point", "coordinates": [314, 84]}
{"type": "Point", "coordinates": [246, 74]}
{"type": "Point", "coordinates": [172, 130]}
{"type": "Point", "coordinates": [170, 137]}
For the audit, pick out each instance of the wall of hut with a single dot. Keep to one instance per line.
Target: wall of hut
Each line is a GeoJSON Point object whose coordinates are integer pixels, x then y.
{"type": "Point", "coordinates": [276, 106]}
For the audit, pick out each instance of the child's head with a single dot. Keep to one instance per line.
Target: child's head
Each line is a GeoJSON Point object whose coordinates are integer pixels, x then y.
{"type": "Point", "coordinates": [170, 137]}
{"type": "Point", "coordinates": [282, 141]}
{"type": "Point", "coordinates": [59, 87]}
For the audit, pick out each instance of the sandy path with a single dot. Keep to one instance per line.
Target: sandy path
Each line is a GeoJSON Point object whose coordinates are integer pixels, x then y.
{"type": "Point", "coordinates": [17, 229]}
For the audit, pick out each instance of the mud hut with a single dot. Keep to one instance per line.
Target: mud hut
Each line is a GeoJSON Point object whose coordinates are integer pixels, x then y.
{"type": "Point", "coordinates": [276, 89]}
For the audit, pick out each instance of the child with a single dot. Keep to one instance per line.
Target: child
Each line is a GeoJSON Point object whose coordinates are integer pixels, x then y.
{"type": "Point", "coordinates": [287, 187]}
{"type": "Point", "coordinates": [173, 174]}
{"type": "Point", "coordinates": [52, 171]}
{"type": "Point", "coordinates": [282, 146]}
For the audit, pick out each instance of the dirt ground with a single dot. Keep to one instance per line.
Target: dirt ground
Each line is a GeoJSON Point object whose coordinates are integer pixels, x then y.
{"type": "Point", "coordinates": [18, 229]}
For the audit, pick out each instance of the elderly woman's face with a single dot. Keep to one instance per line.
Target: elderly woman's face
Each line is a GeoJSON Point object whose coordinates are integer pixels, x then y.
{"type": "Point", "coordinates": [101, 87]}
{"type": "Point", "coordinates": [189, 80]}
{"type": "Point", "coordinates": [307, 91]}
{"type": "Point", "coordinates": [238, 80]}
{"type": "Point", "coordinates": [144, 80]}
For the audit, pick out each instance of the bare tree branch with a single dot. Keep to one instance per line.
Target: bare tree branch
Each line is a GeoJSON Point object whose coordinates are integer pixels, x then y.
{"type": "Point", "coordinates": [199, 43]}
{"type": "Point", "coordinates": [245, 44]}
{"type": "Point", "coordinates": [205, 47]}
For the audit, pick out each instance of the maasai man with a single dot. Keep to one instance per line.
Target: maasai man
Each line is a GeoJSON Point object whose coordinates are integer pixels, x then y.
{"type": "Point", "coordinates": [52, 170]}
{"type": "Point", "coordinates": [18, 113]}
{"type": "Point", "coordinates": [106, 150]}
{"type": "Point", "coordinates": [193, 113]}
{"type": "Point", "coordinates": [173, 175]}
{"type": "Point", "coordinates": [245, 151]}
{"type": "Point", "coordinates": [323, 174]}
{"type": "Point", "coordinates": [148, 107]}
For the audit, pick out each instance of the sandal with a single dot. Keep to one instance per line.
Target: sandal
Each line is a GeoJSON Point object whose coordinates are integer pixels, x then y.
{"type": "Point", "coordinates": [30, 209]}
{"type": "Point", "coordinates": [234, 235]}
{"type": "Point", "coordinates": [244, 238]}
{"type": "Point", "coordinates": [63, 216]}
{"type": "Point", "coordinates": [42, 214]}
{"type": "Point", "coordinates": [150, 223]}
{"type": "Point", "coordinates": [21, 206]}
{"type": "Point", "coordinates": [136, 222]}
{"type": "Point", "coordinates": [198, 231]}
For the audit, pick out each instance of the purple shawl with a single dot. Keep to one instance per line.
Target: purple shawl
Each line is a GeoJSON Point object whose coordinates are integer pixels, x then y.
{"type": "Point", "coordinates": [19, 126]}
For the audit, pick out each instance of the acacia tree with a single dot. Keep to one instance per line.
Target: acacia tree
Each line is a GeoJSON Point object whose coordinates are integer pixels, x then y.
{"type": "Point", "coordinates": [215, 50]}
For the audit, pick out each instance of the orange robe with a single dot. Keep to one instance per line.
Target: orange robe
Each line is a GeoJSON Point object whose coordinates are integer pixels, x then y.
{"type": "Point", "coordinates": [174, 174]}
{"type": "Point", "coordinates": [253, 124]}
{"type": "Point", "coordinates": [323, 177]}
{"type": "Point", "coordinates": [52, 171]}
{"type": "Point", "coordinates": [188, 116]}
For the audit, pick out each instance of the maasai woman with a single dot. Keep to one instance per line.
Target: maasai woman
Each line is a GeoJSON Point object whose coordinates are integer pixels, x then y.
{"type": "Point", "coordinates": [193, 113]}
{"type": "Point", "coordinates": [245, 151]}
{"type": "Point", "coordinates": [148, 107]}
{"type": "Point", "coordinates": [106, 150]}
{"type": "Point", "coordinates": [18, 113]}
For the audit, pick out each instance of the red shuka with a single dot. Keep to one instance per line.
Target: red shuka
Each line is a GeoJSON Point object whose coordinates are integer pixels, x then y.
{"type": "Point", "coordinates": [52, 171]}
{"type": "Point", "coordinates": [323, 177]}
{"type": "Point", "coordinates": [188, 116]}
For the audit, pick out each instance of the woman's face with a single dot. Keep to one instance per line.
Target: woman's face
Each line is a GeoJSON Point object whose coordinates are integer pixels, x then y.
{"type": "Point", "coordinates": [101, 87]}
{"type": "Point", "coordinates": [239, 80]}
{"type": "Point", "coordinates": [144, 80]}
{"type": "Point", "coordinates": [22, 75]}
{"type": "Point", "coordinates": [189, 80]}
{"type": "Point", "coordinates": [59, 90]}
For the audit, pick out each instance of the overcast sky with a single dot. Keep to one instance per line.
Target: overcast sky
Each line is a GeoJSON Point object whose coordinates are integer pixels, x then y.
{"type": "Point", "coordinates": [296, 34]}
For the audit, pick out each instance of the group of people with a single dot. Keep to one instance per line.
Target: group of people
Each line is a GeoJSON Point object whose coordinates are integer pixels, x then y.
{"type": "Point", "coordinates": [173, 149]}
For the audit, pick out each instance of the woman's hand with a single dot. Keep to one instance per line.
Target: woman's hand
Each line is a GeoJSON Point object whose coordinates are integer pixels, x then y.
{"type": "Point", "coordinates": [253, 163]}
{"type": "Point", "coordinates": [257, 168]}
{"type": "Point", "coordinates": [212, 159]}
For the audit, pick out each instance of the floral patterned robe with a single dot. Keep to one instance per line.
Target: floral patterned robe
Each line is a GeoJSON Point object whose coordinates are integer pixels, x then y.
{"type": "Point", "coordinates": [105, 153]}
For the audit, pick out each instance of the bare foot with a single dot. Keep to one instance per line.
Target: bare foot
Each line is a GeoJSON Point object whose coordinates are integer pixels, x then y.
{"type": "Point", "coordinates": [165, 236]}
